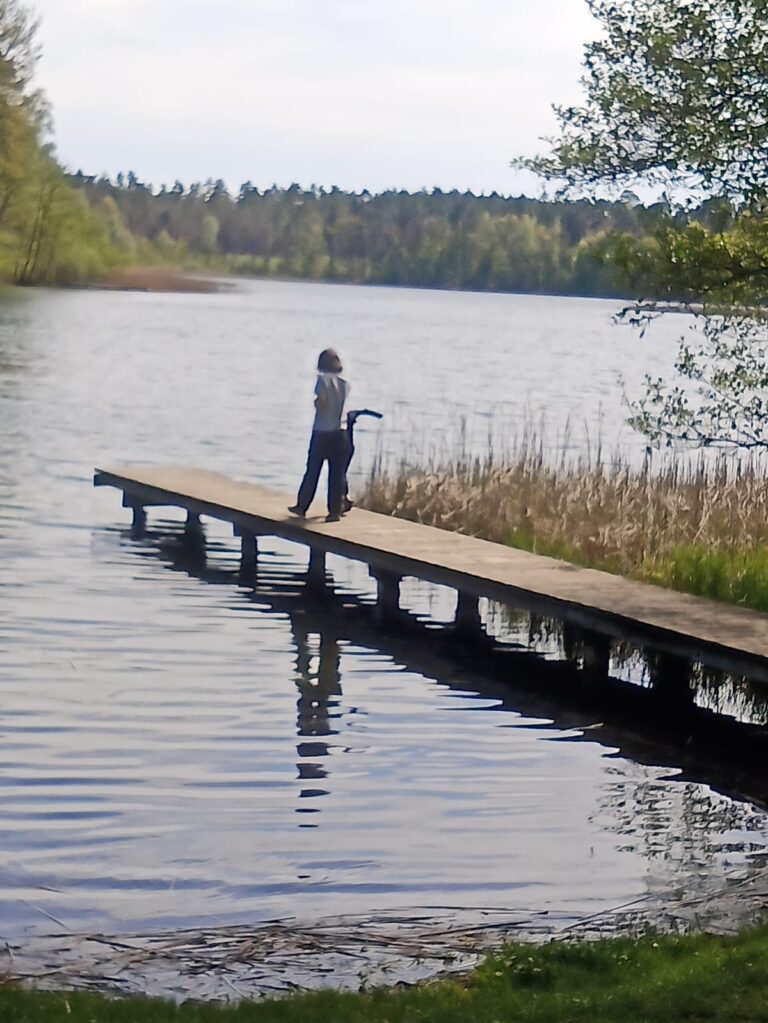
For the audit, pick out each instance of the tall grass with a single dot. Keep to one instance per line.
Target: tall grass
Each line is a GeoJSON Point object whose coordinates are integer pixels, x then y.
{"type": "Point", "coordinates": [699, 525]}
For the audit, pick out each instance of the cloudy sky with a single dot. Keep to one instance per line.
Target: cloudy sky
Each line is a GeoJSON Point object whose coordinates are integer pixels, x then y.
{"type": "Point", "coordinates": [396, 93]}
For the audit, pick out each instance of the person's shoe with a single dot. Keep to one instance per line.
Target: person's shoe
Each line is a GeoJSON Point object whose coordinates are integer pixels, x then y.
{"type": "Point", "coordinates": [333, 518]}
{"type": "Point", "coordinates": [347, 505]}
{"type": "Point", "coordinates": [295, 510]}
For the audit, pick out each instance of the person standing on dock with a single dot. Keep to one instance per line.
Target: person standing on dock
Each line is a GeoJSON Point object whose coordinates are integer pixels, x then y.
{"type": "Point", "coordinates": [328, 442]}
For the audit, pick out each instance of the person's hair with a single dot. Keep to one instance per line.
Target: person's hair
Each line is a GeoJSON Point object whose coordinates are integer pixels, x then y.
{"type": "Point", "coordinates": [329, 361]}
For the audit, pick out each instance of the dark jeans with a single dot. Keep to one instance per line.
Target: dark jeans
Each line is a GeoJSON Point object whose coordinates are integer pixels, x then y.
{"type": "Point", "coordinates": [331, 448]}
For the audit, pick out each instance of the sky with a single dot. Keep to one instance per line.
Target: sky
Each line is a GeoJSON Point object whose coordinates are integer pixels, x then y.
{"type": "Point", "coordinates": [391, 94]}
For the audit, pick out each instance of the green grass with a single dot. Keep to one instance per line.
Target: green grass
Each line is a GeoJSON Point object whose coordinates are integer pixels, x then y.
{"type": "Point", "coordinates": [652, 979]}
{"type": "Point", "coordinates": [733, 576]}
{"type": "Point", "coordinates": [556, 547]}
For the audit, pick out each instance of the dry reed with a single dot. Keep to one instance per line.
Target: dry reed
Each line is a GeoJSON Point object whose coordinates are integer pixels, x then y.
{"type": "Point", "coordinates": [698, 525]}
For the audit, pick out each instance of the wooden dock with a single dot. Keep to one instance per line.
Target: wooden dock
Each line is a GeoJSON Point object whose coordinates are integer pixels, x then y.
{"type": "Point", "coordinates": [598, 608]}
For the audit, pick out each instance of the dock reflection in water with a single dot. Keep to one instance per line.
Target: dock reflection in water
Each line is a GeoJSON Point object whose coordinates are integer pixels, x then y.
{"type": "Point", "coordinates": [684, 808]}
{"type": "Point", "coordinates": [719, 735]}
{"type": "Point", "coordinates": [318, 678]}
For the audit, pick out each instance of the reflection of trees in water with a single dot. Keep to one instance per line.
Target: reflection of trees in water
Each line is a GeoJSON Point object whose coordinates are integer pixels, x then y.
{"type": "Point", "coordinates": [17, 342]}
{"type": "Point", "coordinates": [681, 829]}
{"type": "Point", "coordinates": [18, 351]}
{"type": "Point", "coordinates": [732, 695]}
{"type": "Point", "coordinates": [318, 680]}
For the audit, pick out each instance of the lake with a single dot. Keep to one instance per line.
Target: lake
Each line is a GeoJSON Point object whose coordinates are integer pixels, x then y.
{"type": "Point", "coordinates": [178, 750]}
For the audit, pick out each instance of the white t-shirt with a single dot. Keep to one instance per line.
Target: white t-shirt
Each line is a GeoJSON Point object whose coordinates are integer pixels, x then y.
{"type": "Point", "coordinates": [331, 390]}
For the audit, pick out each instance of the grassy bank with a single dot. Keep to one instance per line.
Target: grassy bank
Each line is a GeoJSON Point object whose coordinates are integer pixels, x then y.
{"type": "Point", "coordinates": [697, 978]}
{"type": "Point", "coordinates": [700, 527]}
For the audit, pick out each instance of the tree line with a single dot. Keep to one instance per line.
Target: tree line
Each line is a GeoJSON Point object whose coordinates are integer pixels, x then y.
{"type": "Point", "coordinates": [48, 231]}
{"type": "Point", "coordinates": [430, 239]}
{"type": "Point", "coordinates": [63, 228]}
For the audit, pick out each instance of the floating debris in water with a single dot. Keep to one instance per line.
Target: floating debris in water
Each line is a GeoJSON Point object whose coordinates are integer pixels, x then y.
{"type": "Point", "coordinates": [351, 952]}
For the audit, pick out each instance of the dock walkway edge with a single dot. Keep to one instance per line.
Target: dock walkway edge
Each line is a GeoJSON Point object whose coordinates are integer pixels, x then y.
{"type": "Point", "coordinates": [601, 606]}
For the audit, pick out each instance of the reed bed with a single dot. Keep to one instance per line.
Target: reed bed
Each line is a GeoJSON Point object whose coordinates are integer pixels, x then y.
{"type": "Point", "coordinates": [698, 525]}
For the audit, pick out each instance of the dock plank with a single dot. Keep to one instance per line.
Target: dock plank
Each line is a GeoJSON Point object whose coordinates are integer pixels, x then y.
{"type": "Point", "coordinates": [719, 635]}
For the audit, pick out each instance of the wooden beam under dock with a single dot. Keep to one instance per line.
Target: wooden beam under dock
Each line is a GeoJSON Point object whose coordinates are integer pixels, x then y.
{"type": "Point", "coordinates": [722, 636]}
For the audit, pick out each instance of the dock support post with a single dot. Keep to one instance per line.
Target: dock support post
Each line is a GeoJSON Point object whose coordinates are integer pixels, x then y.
{"type": "Point", "coordinates": [192, 526]}
{"type": "Point", "coordinates": [671, 681]}
{"type": "Point", "coordinates": [468, 622]}
{"type": "Point", "coordinates": [316, 569]}
{"type": "Point", "coordinates": [571, 641]}
{"type": "Point", "coordinates": [138, 519]}
{"type": "Point", "coordinates": [596, 657]}
{"type": "Point", "coordinates": [249, 555]}
{"type": "Point", "coordinates": [387, 595]}
{"type": "Point", "coordinates": [138, 514]}
{"type": "Point", "coordinates": [592, 648]}
{"type": "Point", "coordinates": [193, 530]}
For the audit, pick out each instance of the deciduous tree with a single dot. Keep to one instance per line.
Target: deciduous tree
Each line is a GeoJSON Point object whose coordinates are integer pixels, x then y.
{"type": "Point", "coordinates": [676, 97]}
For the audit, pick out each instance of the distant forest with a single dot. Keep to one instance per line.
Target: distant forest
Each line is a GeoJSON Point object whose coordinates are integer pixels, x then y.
{"type": "Point", "coordinates": [69, 229]}
{"type": "Point", "coordinates": [434, 239]}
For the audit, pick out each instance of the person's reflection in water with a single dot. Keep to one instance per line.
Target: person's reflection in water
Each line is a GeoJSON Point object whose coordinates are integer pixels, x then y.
{"type": "Point", "coordinates": [319, 692]}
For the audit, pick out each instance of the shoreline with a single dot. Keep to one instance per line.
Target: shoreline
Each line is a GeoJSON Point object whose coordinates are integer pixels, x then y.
{"type": "Point", "coordinates": [391, 949]}
{"type": "Point", "coordinates": [157, 280]}
{"type": "Point", "coordinates": [165, 280]}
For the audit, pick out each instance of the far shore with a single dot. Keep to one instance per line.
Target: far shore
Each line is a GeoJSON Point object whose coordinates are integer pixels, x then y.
{"type": "Point", "coordinates": [160, 279]}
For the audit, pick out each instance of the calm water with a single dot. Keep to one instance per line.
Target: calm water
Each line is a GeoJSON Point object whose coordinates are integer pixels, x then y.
{"type": "Point", "coordinates": [176, 749]}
